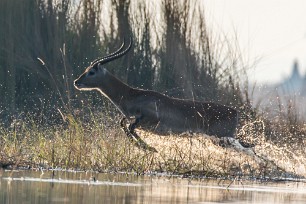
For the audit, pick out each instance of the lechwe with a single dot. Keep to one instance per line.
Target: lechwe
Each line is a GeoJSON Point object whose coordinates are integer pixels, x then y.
{"type": "Point", "coordinates": [153, 111]}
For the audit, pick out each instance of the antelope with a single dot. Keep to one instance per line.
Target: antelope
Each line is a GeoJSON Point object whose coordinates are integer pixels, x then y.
{"type": "Point", "coordinates": [153, 111]}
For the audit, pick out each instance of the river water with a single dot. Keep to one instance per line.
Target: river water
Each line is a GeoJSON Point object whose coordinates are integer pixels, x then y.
{"type": "Point", "coordinates": [80, 187]}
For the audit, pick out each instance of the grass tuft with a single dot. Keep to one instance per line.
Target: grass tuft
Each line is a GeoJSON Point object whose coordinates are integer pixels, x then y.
{"type": "Point", "coordinates": [99, 144]}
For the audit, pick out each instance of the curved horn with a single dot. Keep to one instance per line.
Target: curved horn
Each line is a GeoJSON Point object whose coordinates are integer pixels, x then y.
{"type": "Point", "coordinates": [111, 54]}
{"type": "Point", "coordinates": [115, 54]}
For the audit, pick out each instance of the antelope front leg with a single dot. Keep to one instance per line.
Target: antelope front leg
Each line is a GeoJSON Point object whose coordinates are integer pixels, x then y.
{"type": "Point", "coordinates": [133, 137]}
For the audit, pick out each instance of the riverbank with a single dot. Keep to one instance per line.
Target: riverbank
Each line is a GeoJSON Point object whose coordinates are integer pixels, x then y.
{"type": "Point", "coordinates": [103, 147]}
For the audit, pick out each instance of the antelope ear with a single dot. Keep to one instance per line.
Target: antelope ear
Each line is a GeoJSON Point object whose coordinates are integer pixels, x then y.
{"type": "Point", "coordinates": [101, 68]}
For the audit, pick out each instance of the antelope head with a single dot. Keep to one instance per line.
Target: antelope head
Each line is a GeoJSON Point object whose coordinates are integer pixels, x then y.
{"type": "Point", "coordinates": [96, 74]}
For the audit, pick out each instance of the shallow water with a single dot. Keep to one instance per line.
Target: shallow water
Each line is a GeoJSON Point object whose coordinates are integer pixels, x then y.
{"type": "Point", "coordinates": [80, 187]}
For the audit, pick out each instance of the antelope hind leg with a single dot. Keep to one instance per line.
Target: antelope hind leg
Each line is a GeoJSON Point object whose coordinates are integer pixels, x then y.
{"type": "Point", "coordinates": [134, 138]}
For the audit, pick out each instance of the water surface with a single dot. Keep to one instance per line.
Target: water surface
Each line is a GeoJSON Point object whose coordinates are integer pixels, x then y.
{"type": "Point", "coordinates": [81, 187]}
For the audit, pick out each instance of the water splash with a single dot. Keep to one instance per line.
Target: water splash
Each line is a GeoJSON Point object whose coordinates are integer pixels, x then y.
{"type": "Point", "coordinates": [191, 153]}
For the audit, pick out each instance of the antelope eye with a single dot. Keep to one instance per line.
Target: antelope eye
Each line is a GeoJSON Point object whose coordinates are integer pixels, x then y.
{"type": "Point", "coordinates": [91, 72]}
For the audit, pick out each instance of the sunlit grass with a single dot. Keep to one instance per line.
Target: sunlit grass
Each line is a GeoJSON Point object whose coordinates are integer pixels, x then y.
{"type": "Point", "coordinates": [99, 144]}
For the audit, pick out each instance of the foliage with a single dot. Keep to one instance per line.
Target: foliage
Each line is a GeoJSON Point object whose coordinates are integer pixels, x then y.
{"type": "Point", "coordinates": [46, 44]}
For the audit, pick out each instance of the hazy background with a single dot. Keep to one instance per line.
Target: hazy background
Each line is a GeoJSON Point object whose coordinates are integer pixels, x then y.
{"type": "Point", "coordinates": [271, 34]}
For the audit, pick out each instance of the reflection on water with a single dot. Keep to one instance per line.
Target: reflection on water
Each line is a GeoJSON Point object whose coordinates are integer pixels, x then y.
{"type": "Point", "coordinates": [80, 187]}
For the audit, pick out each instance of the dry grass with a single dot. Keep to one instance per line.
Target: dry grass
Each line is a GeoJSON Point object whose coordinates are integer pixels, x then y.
{"type": "Point", "coordinates": [102, 146]}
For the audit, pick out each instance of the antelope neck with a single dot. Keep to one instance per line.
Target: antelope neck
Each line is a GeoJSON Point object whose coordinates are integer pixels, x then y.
{"type": "Point", "coordinates": [115, 90]}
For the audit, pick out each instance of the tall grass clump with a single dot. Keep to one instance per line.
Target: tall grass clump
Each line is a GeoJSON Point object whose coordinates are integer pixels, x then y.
{"type": "Point", "coordinates": [45, 30]}
{"type": "Point", "coordinates": [66, 36]}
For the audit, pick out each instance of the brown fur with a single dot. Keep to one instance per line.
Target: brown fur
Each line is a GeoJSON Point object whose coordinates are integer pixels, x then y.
{"type": "Point", "coordinates": [158, 113]}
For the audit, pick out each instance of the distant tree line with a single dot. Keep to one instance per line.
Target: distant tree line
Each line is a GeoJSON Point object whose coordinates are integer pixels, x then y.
{"type": "Point", "coordinates": [45, 44]}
